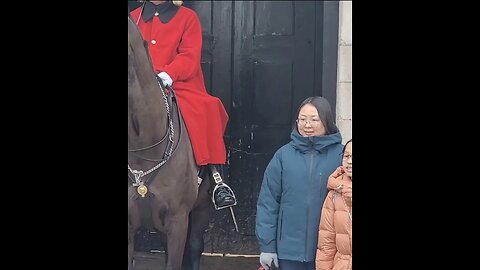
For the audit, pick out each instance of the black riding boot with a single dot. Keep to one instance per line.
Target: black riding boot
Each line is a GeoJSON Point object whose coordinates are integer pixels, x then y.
{"type": "Point", "coordinates": [223, 195]}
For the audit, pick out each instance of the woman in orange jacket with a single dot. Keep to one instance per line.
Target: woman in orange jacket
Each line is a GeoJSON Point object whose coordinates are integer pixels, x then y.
{"type": "Point", "coordinates": [334, 248]}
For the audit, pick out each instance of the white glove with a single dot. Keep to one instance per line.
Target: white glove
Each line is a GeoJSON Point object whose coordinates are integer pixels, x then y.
{"type": "Point", "coordinates": [166, 80]}
{"type": "Point", "coordinates": [266, 259]}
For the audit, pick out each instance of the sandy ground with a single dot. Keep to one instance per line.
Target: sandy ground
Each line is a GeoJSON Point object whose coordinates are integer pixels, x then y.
{"type": "Point", "coordinates": [149, 261]}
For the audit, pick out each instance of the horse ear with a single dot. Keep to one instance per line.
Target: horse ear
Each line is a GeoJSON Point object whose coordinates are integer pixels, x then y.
{"type": "Point", "coordinates": [177, 3]}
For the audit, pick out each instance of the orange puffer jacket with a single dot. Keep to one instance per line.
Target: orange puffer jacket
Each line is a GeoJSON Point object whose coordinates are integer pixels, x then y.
{"type": "Point", "coordinates": [334, 248]}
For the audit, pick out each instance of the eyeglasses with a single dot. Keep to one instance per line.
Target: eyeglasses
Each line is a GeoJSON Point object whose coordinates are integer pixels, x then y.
{"type": "Point", "coordinates": [313, 122]}
{"type": "Point", "coordinates": [346, 157]}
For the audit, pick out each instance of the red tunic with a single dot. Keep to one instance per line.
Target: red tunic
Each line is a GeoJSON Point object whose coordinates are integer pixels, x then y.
{"type": "Point", "coordinates": [175, 47]}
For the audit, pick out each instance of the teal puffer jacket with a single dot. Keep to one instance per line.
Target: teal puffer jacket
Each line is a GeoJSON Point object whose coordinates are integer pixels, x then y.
{"type": "Point", "coordinates": [291, 197]}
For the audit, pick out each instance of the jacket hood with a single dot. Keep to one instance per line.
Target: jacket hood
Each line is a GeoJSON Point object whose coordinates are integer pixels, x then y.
{"type": "Point", "coordinates": [343, 185]}
{"type": "Point", "coordinates": [318, 143]}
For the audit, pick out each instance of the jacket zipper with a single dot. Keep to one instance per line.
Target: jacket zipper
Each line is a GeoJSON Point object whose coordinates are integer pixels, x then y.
{"type": "Point", "coordinates": [308, 208]}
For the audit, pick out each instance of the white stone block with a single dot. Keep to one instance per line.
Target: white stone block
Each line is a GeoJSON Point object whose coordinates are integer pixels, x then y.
{"type": "Point", "coordinates": [345, 23]}
{"type": "Point", "coordinates": [345, 64]}
{"type": "Point", "coordinates": [345, 127]}
{"type": "Point", "coordinates": [344, 101]}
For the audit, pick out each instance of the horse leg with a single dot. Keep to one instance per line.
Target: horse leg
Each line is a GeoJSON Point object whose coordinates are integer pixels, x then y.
{"type": "Point", "coordinates": [177, 229]}
{"type": "Point", "coordinates": [198, 223]}
{"type": "Point", "coordinates": [195, 245]}
{"type": "Point", "coordinates": [163, 241]}
{"type": "Point", "coordinates": [133, 225]}
{"type": "Point", "coordinates": [131, 236]}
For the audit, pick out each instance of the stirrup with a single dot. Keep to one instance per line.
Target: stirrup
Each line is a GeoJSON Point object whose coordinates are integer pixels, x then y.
{"type": "Point", "coordinates": [219, 183]}
{"type": "Point", "coordinates": [231, 192]}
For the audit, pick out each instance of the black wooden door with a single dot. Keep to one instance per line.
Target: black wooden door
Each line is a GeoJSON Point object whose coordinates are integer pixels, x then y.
{"type": "Point", "coordinates": [261, 58]}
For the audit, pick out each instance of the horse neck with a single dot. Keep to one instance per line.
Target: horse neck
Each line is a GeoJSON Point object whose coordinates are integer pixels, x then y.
{"type": "Point", "coordinates": [156, 113]}
{"type": "Point", "coordinates": [146, 105]}
{"type": "Point", "coordinates": [150, 112]}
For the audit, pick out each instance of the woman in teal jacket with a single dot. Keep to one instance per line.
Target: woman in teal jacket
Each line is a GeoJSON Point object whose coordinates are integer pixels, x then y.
{"type": "Point", "coordinates": [295, 186]}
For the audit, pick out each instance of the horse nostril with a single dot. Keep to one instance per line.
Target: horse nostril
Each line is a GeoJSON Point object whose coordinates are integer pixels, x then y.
{"type": "Point", "coordinates": [135, 124]}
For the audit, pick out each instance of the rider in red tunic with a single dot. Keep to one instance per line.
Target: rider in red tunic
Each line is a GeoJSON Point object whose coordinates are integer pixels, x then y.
{"type": "Point", "coordinates": [174, 36]}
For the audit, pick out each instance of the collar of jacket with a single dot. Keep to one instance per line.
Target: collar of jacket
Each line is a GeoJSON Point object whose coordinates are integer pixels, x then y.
{"type": "Point", "coordinates": [166, 11]}
{"type": "Point", "coordinates": [318, 143]}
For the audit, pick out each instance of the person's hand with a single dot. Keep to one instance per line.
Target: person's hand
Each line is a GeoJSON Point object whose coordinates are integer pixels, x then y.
{"type": "Point", "coordinates": [166, 80]}
{"type": "Point", "coordinates": [339, 171]}
{"type": "Point", "coordinates": [266, 259]}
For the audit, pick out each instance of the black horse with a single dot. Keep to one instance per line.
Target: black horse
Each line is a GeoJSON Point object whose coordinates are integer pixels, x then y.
{"type": "Point", "coordinates": [163, 191]}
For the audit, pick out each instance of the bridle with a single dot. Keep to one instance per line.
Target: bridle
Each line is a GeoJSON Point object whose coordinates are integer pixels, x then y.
{"type": "Point", "coordinates": [170, 148]}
